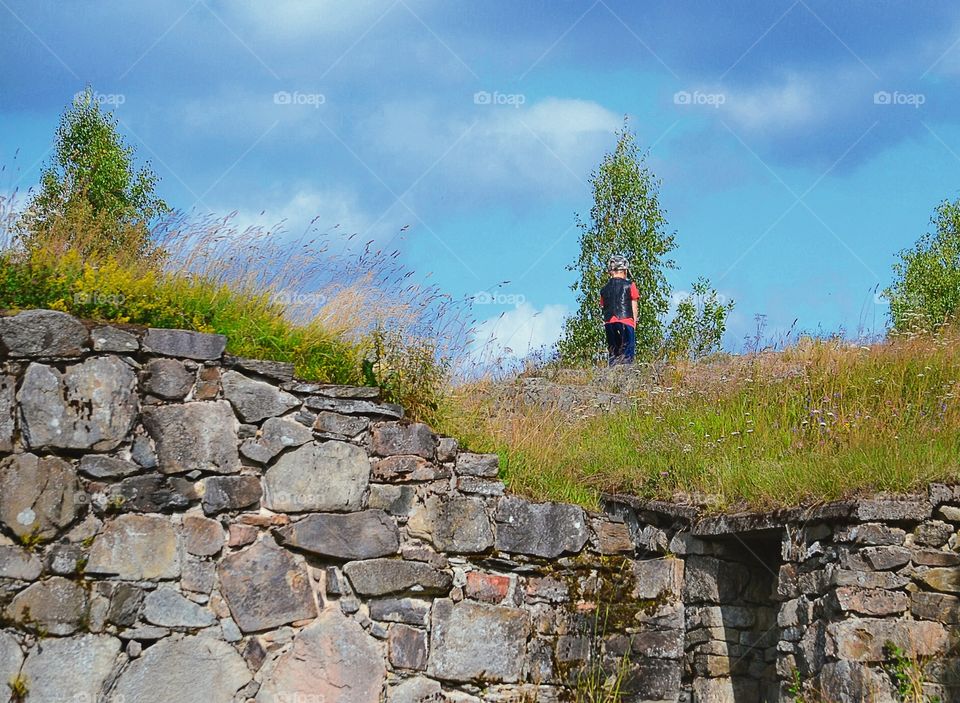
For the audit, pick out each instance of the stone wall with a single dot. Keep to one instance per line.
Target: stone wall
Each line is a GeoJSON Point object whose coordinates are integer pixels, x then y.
{"type": "Point", "coordinates": [180, 525]}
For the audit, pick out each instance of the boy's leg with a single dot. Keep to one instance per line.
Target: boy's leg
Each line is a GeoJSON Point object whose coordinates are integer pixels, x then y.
{"type": "Point", "coordinates": [629, 344]}
{"type": "Point", "coordinates": [613, 342]}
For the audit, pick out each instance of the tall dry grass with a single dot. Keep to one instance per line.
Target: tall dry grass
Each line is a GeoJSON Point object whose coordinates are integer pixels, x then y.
{"type": "Point", "coordinates": [340, 312]}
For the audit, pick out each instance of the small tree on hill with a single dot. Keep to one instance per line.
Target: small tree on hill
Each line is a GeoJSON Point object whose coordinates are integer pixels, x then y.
{"type": "Point", "coordinates": [91, 185]}
{"type": "Point", "coordinates": [626, 219]}
{"type": "Point", "coordinates": [926, 289]}
{"type": "Point", "coordinates": [700, 321]}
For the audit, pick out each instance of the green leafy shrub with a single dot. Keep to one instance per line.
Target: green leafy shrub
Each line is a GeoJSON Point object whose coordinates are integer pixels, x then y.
{"type": "Point", "coordinates": [925, 293]}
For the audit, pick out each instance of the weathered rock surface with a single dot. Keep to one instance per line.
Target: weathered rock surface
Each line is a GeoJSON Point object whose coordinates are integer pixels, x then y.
{"type": "Point", "coordinates": [168, 379]}
{"type": "Point", "coordinates": [90, 405]}
{"type": "Point", "coordinates": [864, 640]}
{"type": "Point", "coordinates": [165, 607]}
{"type": "Point", "coordinates": [453, 524]}
{"type": "Point", "coordinates": [108, 467]}
{"type": "Point", "coordinates": [221, 493]}
{"type": "Point", "coordinates": [184, 343]}
{"type": "Point", "coordinates": [945, 579]}
{"type": "Point", "coordinates": [875, 602]}
{"type": "Point", "coordinates": [72, 669]}
{"type": "Point", "coordinates": [935, 606]}
{"type": "Point", "coordinates": [541, 529]}
{"type": "Point", "coordinates": [335, 426]}
{"type": "Point", "coordinates": [363, 535]}
{"type": "Point", "coordinates": [135, 548]}
{"type": "Point", "coordinates": [415, 439]}
{"type": "Point", "coordinates": [276, 435]}
{"type": "Point", "coordinates": [50, 333]}
{"type": "Point", "coordinates": [11, 657]}
{"type": "Point", "coordinates": [202, 536]}
{"type": "Point", "coordinates": [255, 400]}
{"type": "Point", "coordinates": [8, 388]}
{"type": "Point", "coordinates": [276, 370]}
{"type": "Point", "coordinates": [481, 465]}
{"type": "Point", "coordinates": [333, 660]}
{"type": "Point", "coordinates": [659, 579]}
{"type": "Point", "coordinates": [152, 493]}
{"type": "Point", "coordinates": [188, 670]}
{"type": "Point", "coordinates": [114, 339]}
{"type": "Point", "coordinates": [411, 611]}
{"type": "Point", "coordinates": [265, 587]}
{"type": "Point", "coordinates": [378, 577]}
{"type": "Point", "coordinates": [329, 477]}
{"type": "Point", "coordinates": [19, 564]}
{"type": "Point", "coordinates": [55, 605]}
{"type": "Point", "coordinates": [199, 436]}
{"type": "Point", "coordinates": [39, 496]}
{"type": "Point", "coordinates": [414, 690]}
{"type": "Point", "coordinates": [354, 407]}
{"type": "Point", "coordinates": [476, 642]}
{"type": "Point", "coordinates": [407, 647]}
{"type": "Point", "coordinates": [849, 682]}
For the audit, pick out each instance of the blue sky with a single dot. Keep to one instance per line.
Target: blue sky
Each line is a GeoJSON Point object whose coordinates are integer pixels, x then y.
{"type": "Point", "coordinates": [801, 143]}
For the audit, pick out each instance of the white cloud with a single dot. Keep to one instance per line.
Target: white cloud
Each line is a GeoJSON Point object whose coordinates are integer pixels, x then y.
{"type": "Point", "coordinates": [792, 103]}
{"type": "Point", "coordinates": [481, 150]}
{"type": "Point", "coordinates": [325, 209]}
{"type": "Point", "coordinates": [518, 332]}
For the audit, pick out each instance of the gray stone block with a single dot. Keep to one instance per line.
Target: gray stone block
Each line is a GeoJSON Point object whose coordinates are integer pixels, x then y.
{"type": "Point", "coordinates": [351, 536]}
{"type": "Point", "coordinates": [71, 669]}
{"type": "Point", "coordinates": [330, 477]}
{"type": "Point", "coordinates": [255, 400]}
{"type": "Point", "coordinates": [199, 436]}
{"type": "Point", "coordinates": [167, 378]}
{"type": "Point", "coordinates": [114, 339]}
{"type": "Point", "coordinates": [43, 333]}
{"type": "Point", "coordinates": [265, 588]}
{"type": "Point", "coordinates": [332, 660]}
{"type": "Point", "coordinates": [539, 529]}
{"type": "Point", "coordinates": [184, 343]}
{"type": "Point", "coordinates": [223, 493]}
{"type": "Point", "coordinates": [187, 670]}
{"type": "Point", "coordinates": [55, 605]}
{"type": "Point", "coordinates": [454, 524]}
{"type": "Point", "coordinates": [477, 642]}
{"type": "Point", "coordinates": [136, 548]}
{"type": "Point", "coordinates": [378, 577]}
{"type": "Point", "coordinates": [90, 405]}
{"type": "Point", "coordinates": [39, 496]}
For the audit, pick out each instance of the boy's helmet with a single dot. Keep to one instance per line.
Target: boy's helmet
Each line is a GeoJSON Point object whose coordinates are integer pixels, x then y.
{"type": "Point", "coordinates": [618, 263]}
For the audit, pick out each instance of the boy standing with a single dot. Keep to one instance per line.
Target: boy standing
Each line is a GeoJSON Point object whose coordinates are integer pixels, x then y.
{"type": "Point", "coordinates": [618, 298]}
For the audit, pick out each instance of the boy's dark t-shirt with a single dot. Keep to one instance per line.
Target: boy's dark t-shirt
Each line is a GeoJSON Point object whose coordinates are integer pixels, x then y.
{"type": "Point", "coordinates": [616, 299]}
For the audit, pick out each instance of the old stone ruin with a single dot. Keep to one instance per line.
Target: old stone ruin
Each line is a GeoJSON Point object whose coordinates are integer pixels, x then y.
{"type": "Point", "coordinates": [180, 525]}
